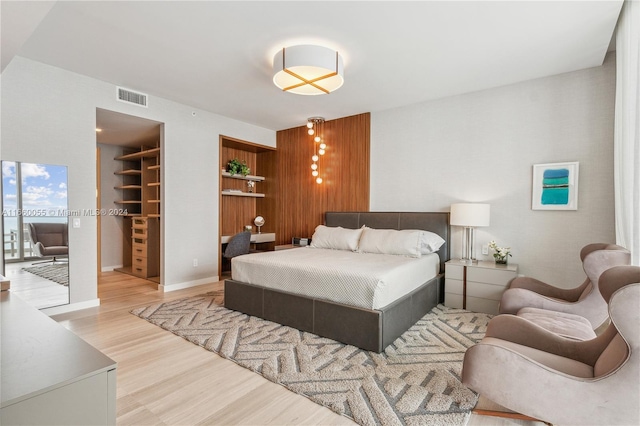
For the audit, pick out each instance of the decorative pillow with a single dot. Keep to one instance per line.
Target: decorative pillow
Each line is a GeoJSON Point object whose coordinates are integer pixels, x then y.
{"type": "Point", "coordinates": [336, 238]}
{"type": "Point", "coordinates": [430, 242]}
{"type": "Point", "coordinates": [391, 241]}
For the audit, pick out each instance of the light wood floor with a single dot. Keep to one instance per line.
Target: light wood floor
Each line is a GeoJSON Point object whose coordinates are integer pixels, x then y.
{"type": "Point", "coordinates": [37, 291]}
{"type": "Point", "coordinates": [164, 380]}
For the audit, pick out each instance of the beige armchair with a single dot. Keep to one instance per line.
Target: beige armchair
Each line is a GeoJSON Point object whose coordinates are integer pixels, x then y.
{"type": "Point", "coordinates": [584, 300]}
{"type": "Point", "coordinates": [532, 371]}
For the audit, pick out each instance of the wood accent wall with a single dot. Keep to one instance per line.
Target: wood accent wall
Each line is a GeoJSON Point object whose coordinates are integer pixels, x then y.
{"type": "Point", "coordinates": [236, 212]}
{"type": "Point", "coordinates": [344, 170]}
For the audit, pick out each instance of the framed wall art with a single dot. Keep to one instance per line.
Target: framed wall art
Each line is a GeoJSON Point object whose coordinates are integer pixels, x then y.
{"type": "Point", "coordinates": [555, 186]}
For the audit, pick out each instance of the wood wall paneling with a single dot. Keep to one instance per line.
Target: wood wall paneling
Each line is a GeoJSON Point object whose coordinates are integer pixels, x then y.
{"type": "Point", "coordinates": [344, 169]}
{"type": "Point", "coordinates": [266, 164]}
{"type": "Point", "coordinates": [237, 212]}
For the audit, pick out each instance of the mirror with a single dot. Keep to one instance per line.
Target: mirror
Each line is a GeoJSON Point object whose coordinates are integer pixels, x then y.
{"type": "Point", "coordinates": [35, 231]}
{"type": "Point", "coordinates": [259, 222]}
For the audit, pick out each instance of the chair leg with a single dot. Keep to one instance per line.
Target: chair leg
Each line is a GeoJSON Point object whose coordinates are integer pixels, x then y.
{"type": "Point", "coordinates": [508, 415]}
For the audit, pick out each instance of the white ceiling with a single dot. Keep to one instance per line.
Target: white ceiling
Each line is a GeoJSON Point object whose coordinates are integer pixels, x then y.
{"type": "Point", "coordinates": [217, 56]}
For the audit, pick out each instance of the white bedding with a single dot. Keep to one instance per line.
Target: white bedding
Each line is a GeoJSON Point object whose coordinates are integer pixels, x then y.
{"type": "Point", "coordinates": [364, 280]}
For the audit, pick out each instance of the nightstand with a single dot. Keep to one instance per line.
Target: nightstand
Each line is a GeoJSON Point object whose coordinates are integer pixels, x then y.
{"type": "Point", "coordinates": [477, 287]}
{"type": "Point", "coordinates": [287, 247]}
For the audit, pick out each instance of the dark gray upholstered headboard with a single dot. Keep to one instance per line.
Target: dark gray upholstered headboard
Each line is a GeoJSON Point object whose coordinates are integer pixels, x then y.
{"type": "Point", "coordinates": [435, 222]}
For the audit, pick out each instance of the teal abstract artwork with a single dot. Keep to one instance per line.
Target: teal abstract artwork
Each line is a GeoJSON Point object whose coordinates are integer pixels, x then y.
{"type": "Point", "coordinates": [555, 187]}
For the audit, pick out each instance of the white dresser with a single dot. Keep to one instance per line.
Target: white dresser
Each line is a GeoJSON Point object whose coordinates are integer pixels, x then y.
{"type": "Point", "coordinates": [476, 287]}
{"type": "Point", "coordinates": [50, 376]}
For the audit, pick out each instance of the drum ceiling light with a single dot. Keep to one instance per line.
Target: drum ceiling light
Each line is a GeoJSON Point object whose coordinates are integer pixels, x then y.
{"type": "Point", "coordinates": [308, 70]}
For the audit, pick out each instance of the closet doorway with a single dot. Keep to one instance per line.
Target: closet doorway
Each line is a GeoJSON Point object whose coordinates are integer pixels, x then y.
{"type": "Point", "coordinates": [129, 194]}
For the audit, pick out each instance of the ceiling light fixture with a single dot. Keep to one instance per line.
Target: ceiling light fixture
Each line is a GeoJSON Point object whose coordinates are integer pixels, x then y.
{"type": "Point", "coordinates": [308, 70]}
{"type": "Point", "coordinates": [315, 126]}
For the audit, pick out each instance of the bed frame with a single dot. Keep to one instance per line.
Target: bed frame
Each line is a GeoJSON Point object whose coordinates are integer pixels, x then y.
{"type": "Point", "coordinates": [368, 329]}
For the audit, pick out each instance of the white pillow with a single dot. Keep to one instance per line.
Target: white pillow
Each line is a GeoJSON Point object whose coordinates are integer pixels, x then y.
{"type": "Point", "coordinates": [430, 242]}
{"type": "Point", "coordinates": [336, 238]}
{"type": "Point", "coordinates": [391, 241]}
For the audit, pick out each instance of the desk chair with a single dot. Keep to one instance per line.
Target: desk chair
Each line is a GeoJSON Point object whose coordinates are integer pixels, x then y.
{"type": "Point", "coordinates": [238, 244]}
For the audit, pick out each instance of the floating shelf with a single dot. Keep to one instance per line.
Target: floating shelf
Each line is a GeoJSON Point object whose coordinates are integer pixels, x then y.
{"type": "Point", "coordinates": [129, 172]}
{"type": "Point", "coordinates": [147, 153]}
{"type": "Point", "coordinates": [243, 194]}
{"type": "Point", "coordinates": [247, 177]}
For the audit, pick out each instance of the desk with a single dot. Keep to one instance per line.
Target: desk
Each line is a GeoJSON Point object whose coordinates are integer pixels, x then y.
{"type": "Point", "coordinates": [265, 237]}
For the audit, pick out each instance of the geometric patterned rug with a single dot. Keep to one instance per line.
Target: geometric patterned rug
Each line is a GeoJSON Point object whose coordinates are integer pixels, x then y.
{"type": "Point", "coordinates": [415, 381]}
{"type": "Point", "coordinates": [56, 272]}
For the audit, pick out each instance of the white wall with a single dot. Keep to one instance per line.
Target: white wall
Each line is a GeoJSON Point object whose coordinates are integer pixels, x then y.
{"type": "Point", "coordinates": [49, 116]}
{"type": "Point", "coordinates": [480, 147]}
{"type": "Point", "coordinates": [112, 227]}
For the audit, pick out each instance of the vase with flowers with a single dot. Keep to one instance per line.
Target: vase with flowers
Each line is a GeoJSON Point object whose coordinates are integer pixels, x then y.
{"type": "Point", "coordinates": [501, 253]}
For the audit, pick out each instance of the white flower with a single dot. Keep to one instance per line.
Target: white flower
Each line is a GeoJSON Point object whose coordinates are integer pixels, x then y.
{"type": "Point", "coordinates": [500, 252]}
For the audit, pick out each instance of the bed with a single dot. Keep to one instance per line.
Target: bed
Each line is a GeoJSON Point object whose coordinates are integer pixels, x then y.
{"type": "Point", "coordinates": [371, 320]}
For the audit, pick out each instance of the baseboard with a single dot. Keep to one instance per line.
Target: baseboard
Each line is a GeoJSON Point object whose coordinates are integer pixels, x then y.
{"type": "Point", "coordinates": [187, 284]}
{"type": "Point", "coordinates": [63, 309]}
{"type": "Point", "coordinates": [110, 268]}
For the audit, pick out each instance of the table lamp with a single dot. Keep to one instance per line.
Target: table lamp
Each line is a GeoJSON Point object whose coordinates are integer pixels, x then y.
{"type": "Point", "coordinates": [469, 216]}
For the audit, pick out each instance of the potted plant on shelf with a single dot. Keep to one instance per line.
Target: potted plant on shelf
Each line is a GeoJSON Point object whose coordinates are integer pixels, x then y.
{"type": "Point", "coordinates": [501, 253]}
{"type": "Point", "coordinates": [236, 167]}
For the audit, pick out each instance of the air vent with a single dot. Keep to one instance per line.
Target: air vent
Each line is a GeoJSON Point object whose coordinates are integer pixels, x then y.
{"type": "Point", "coordinates": [126, 95]}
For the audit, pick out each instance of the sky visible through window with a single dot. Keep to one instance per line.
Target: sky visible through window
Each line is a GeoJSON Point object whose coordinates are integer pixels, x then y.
{"type": "Point", "coordinates": [44, 193]}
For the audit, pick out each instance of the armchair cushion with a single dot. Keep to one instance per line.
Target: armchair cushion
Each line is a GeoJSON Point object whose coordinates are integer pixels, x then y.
{"type": "Point", "coordinates": [560, 323]}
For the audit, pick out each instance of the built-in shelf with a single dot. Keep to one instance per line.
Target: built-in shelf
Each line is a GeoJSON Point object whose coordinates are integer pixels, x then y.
{"type": "Point", "coordinates": [153, 201]}
{"type": "Point", "coordinates": [243, 194]}
{"type": "Point", "coordinates": [128, 202]}
{"type": "Point", "coordinates": [129, 172]}
{"type": "Point", "coordinates": [147, 153]}
{"type": "Point", "coordinates": [154, 167]}
{"type": "Point", "coordinates": [128, 187]}
{"type": "Point", "coordinates": [247, 177]}
{"type": "Point", "coordinates": [153, 215]}
{"type": "Point", "coordinates": [153, 184]}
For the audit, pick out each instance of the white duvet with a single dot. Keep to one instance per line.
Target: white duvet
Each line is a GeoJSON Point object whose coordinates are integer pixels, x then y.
{"type": "Point", "coordinates": [365, 280]}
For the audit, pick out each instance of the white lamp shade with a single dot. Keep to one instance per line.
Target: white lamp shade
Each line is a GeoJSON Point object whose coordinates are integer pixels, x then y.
{"type": "Point", "coordinates": [470, 214]}
{"type": "Point", "coordinates": [312, 63]}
